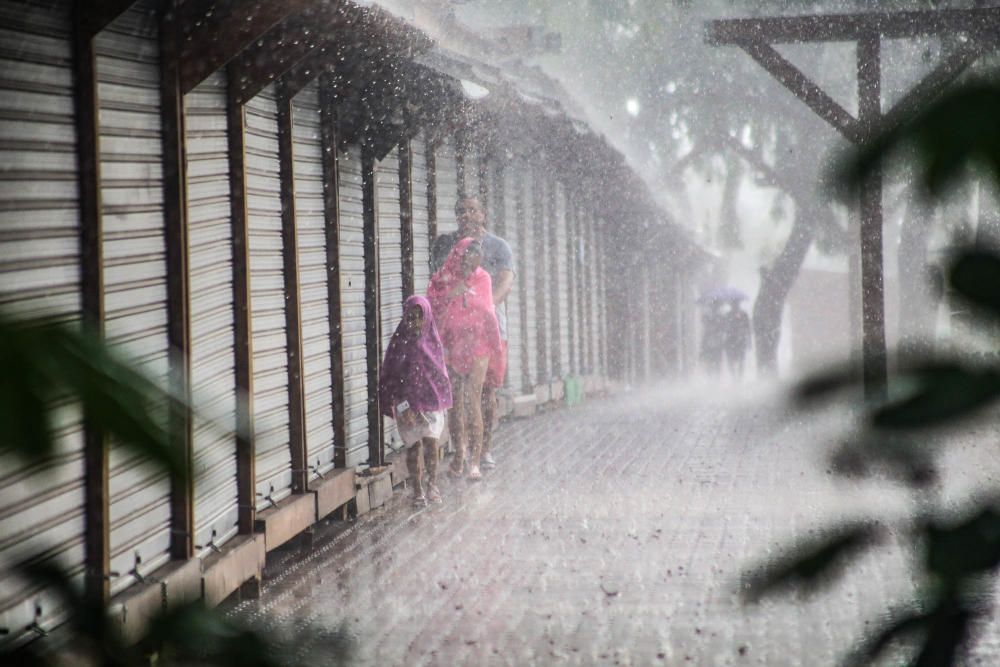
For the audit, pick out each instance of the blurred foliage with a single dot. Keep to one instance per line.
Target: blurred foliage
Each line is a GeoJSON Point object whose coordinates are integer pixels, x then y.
{"type": "Point", "coordinates": [48, 364]}
{"type": "Point", "coordinates": [958, 555]}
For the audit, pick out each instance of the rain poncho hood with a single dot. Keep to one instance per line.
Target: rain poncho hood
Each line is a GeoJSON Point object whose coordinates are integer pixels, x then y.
{"type": "Point", "coordinates": [413, 368]}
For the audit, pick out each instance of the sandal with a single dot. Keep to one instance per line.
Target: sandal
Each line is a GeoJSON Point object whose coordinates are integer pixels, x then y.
{"type": "Point", "coordinates": [419, 501]}
{"type": "Point", "coordinates": [454, 474]}
{"type": "Point", "coordinates": [474, 474]}
{"type": "Point", "coordinates": [433, 495]}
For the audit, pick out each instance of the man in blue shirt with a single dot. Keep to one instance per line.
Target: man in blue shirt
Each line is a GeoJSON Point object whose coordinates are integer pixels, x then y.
{"type": "Point", "coordinates": [498, 261]}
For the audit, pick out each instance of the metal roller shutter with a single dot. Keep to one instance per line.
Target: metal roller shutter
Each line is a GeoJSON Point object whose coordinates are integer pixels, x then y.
{"type": "Point", "coordinates": [313, 272]}
{"type": "Point", "coordinates": [560, 309]}
{"type": "Point", "coordinates": [515, 300]}
{"type": "Point", "coordinates": [446, 180]}
{"type": "Point", "coordinates": [267, 302]}
{"type": "Point", "coordinates": [529, 273]}
{"type": "Point", "coordinates": [210, 266]}
{"type": "Point", "coordinates": [421, 233]}
{"type": "Point", "coordinates": [390, 251]}
{"type": "Point", "coordinates": [352, 290]}
{"type": "Point", "coordinates": [135, 271]}
{"type": "Point", "coordinates": [41, 506]}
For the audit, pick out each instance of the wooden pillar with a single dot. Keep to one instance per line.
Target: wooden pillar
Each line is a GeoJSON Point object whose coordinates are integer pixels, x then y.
{"type": "Point", "coordinates": [293, 310]}
{"type": "Point", "coordinates": [331, 212]}
{"type": "Point", "coordinates": [572, 284]}
{"type": "Point", "coordinates": [246, 470]}
{"type": "Point", "coordinates": [432, 229]}
{"type": "Point", "coordinates": [178, 297]}
{"type": "Point", "coordinates": [97, 538]}
{"type": "Point", "coordinates": [406, 215]}
{"type": "Point", "coordinates": [521, 223]}
{"type": "Point", "coordinates": [373, 334]}
{"type": "Point", "coordinates": [540, 223]}
{"type": "Point", "coordinates": [869, 63]}
{"type": "Point", "coordinates": [552, 251]}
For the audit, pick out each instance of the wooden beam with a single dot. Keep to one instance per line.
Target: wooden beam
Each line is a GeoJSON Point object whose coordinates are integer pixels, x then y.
{"type": "Point", "coordinates": [216, 31]}
{"type": "Point", "coordinates": [102, 13]}
{"type": "Point", "coordinates": [293, 310]}
{"type": "Point", "coordinates": [521, 225]}
{"type": "Point", "coordinates": [406, 216]}
{"type": "Point", "coordinates": [551, 252]}
{"type": "Point", "coordinates": [246, 471]}
{"type": "Point", "coordinates": [288, 44]}
{"type": "Point", "coordinates": [803, 88]}
{"type": "Point", "coordinates": [574, 285]}
{"type": "Point", "coordinates": [178, 298]}
{"type": "Point", "coordinates": [97, 537]}
{"type": "Point", "coordinates": [851, 27]}
{"type": "Point", "coordinates": [373, 333]}
{"type": "Point", "coordinates": [309, 69]}
{"type": "Point", "coordinates": [331, 212]}
{"type": "Point", "coordinates": [431, 158]}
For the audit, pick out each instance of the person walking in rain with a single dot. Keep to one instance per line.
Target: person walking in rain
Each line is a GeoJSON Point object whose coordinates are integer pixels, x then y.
{"type": "Point", "coordinates": [737, 338]}
{"type": "Point", "coordinates": [713, 337]}
{"type": "Point", "coordinates": [498, 261]}
{"type": "Point", "coordinates": [461, 297]}
{"type": "Point", "coordinates": [414, 389]}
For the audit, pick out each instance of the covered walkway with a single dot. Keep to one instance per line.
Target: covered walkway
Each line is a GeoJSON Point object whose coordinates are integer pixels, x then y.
{"type": "Point", "coordinates": [614, 533]}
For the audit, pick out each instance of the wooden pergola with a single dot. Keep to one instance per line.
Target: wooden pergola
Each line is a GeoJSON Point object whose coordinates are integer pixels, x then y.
{"type": "Point", "coordinates": [972, 33]}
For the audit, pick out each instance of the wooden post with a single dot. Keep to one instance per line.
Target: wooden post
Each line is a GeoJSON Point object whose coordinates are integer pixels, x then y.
{"type": "Point", "coordinates": [178, 297]}
{"type": "Point", "coordinates": [373, 333]}
{"type": "Point", "coordinates": [97, 538]}
{"type": "Point", "coordinates": [293, 310]}
{"type": "Point", "coordinates": [246, 465]}
{"type": "Point", "coordinates": [331, 211]}
{"type": "Point", "coordinates": [551, 251]}
{"type": "Point", "coordinates": [872, 285]}
{"type": "Point", "coordinates": [406, 215]}
{"type": "Point", "coordinates": [432, 229]}
{"type": "Point", "coordinates": [521, 211]}
{"type": "Point", "coordinates": [540, 224]}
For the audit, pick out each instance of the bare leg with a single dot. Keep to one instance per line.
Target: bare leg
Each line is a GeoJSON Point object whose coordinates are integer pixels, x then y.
{"type": "Point", "coordinates": [456, 421]}
{"type": "Point", "coordinates": [414, 463]}
{"type": "Point", "coordinates": [489, 417]}
{"type": "Point", "coordinates": [472, 390]}
{"type": "Point", "coordinates": [431, 460]}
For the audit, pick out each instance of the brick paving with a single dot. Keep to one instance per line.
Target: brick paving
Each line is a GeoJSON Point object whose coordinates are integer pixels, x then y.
{"type": "Point", "coordinates": [613, 533]}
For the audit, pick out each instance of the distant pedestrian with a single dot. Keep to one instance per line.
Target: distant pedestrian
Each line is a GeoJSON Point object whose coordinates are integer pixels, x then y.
{"type": "Point", "coordinates": [414, 389]}
{"type": "Point", "coordinates": [737, 339]}
{"type": "Point", "coordinates": [713, 338]}
{"type": "Point", "coordinates": [461, 295]}
{"type": "Point", "coordinates": [498, 260]}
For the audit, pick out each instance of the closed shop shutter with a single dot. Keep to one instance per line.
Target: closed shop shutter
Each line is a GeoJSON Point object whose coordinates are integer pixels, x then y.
{"type": "Point", "coordinates": [527, 230]}
{"type": "Point", "coordinates": [421, 216]}
{"type": "Point", "coordinates": [352, 294]}
{"type": "Point", "coordinates": [446, 179]}
{"type": "Point", "coordinates": [313, 275]}
{"type": "Point", "coordinates": [135, 270]}
{"type": "Point", "coordinates": [561, 308]}
{"type": "Point", "coordinates": [390, 251]}
{"type": "Point", "coordinates": [515, 300]}
{"type": "Point", "coordinates": [267, 302]}
{"type": "Point", "coordinates": [41, 506]}
{"type": "Point", "coordinates": [210, 265]}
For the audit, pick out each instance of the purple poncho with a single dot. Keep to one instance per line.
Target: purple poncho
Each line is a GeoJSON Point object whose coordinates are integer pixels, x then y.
{"type": "Point", "coordinates": [413, 368]}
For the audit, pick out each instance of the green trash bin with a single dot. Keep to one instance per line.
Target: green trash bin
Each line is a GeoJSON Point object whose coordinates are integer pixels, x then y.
{"type": "Point", "coordinates": [573, 391]}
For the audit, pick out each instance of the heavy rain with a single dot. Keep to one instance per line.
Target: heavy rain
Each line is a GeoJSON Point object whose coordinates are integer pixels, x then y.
{"type": "Point", "coordinates": [499, 332]}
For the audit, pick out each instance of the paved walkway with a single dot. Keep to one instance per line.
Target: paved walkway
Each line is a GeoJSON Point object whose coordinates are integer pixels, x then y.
{"type": "Point", "coordinates": [612, 533]}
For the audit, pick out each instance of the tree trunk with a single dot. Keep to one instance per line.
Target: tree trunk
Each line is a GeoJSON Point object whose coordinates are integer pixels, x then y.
{"type": "Point", "coordinates": [916, 303]}
{"type": "Point", "coordinates": [775, 284]}
{"type": "Point", "coordinates": [729, 223]}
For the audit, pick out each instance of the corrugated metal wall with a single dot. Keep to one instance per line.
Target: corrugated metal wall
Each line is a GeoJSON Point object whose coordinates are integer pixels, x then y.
{"type": "Point", "coordinates": [267, 302]}
{"type": "Point", "coordinates": [41, 505]}
{"type": "Point", "coordinates": [515, 300]}
{"type": "Point", "coordinates": [446, 175]}
{"type": "Point", "coordinates": [421, 233]}
{"type": "Point", "coordinates": [135, 270]}
{"type": "Point", "coordinates": [210, 266]}
{"type": "Point", "coordinates": [313, 275]}
{"type": "Point", "coordinates": [528, 290]}
{"type": "Point", "coordinates": [352, 290]}
{"type": "Point", "coordinates": [390, 258]}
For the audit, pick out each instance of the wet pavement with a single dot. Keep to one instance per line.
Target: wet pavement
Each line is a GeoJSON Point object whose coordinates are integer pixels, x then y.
{"type": "Point", "coordinates": [614, 533]}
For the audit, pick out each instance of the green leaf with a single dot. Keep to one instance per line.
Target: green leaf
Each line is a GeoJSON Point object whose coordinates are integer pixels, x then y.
{"type": "Point", "coordinates": [942, 393]}
{"type": "Point", "coordinates": [812, 563]}
{"type": "Point", "coordinates": [976, 275]}
{"type": "Point", "coordinates": [897, 628]}
{"type": "Point", "coordinates": [823, 384]}
{"type": "Point", "coordinates": [964, 549]}
{"type": "Point", "coordinates": [947, 630]}
{"type": "Point", "coordinates": [957, 128]}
